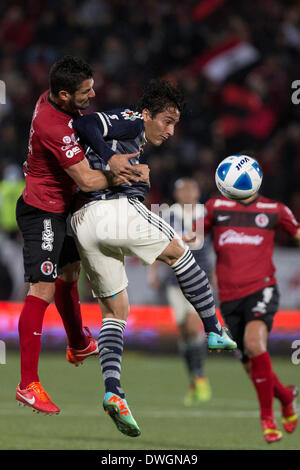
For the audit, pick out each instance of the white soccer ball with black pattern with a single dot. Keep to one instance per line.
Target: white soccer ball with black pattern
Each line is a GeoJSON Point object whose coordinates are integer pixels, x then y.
{"type": "Point", "coordinates": [238, 177]}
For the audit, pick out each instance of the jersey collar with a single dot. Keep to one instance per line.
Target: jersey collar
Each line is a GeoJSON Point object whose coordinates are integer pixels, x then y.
{"type": "Point", "coordinates": [58, 108]}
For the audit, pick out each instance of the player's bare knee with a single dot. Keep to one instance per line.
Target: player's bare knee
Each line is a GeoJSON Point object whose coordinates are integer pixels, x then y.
{"type": "Point", "coordinates": [42, 290]}
{"type": "Point", "coordinates": [254, 347]}
{"type": "Point", "coordinates": [116, 307]}
{"type": "Point", "coordinates": [173, 252]}
{"type": "Point", "coordinates": [71, 272]}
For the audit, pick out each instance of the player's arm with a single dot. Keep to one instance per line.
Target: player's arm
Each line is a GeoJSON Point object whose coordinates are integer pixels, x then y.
{"type": "Point", "coordinates": [287, 222]}
{"type": "Point", "coordinates": [88, 179]}
{"type": "Point", "coordinates": [91, 180]}
{"type": "Point", "coordinates": [60, 141]}
{"type": "Point", "coordinates": [93, 128]}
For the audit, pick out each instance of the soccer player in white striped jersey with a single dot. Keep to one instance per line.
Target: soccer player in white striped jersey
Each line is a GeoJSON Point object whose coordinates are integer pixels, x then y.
{"type": "Point", "coordinates": [114, 223]}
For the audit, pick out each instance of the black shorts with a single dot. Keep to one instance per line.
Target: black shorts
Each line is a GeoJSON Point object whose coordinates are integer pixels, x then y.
{"type": "Point", "coordinates": [48, 246]}
{"type": "Point", "coordinates": [261, 305]}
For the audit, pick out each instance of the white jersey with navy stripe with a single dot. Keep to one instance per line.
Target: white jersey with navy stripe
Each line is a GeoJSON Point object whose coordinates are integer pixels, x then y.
{"type": "Point", "coordinates": [105, 134]}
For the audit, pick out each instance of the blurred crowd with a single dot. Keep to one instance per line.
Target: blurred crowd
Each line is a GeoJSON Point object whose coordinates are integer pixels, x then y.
{"type": "Point", "coordinates": [235, 61]}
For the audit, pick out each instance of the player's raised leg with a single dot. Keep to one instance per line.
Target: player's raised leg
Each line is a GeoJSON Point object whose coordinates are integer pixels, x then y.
{"type": "Point", "coordinates": [66, 297]}
{"type": "Point", "coordinates": [115, 310]}
{"type": "Point", "coordinates": [195, 287]}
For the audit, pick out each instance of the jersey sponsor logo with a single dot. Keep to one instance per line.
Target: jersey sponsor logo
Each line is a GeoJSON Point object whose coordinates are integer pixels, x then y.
{"type": "Point", "coordinates": [70, 141]}
{"type": "Point", "coordinates": [266, 205]}
{"type": "Point", "coordinates": [261, 220]}
{"type": "Point", "coordinates": [223, 217]}
{"type": "Point", "coordinates": [132, 115]}
{"type": "Point", "coordinates": [222, 202]}
{"type": "Point", "coordinates": [231, 237]}
{"type": "Point", "coordinates": [47, 268]}
{"type": "Point", "coordinates": [70, 153]}
{"type": "Point", "coordinates": [47, 236]}
{"type": "Point", "coordinates": [67, 139]}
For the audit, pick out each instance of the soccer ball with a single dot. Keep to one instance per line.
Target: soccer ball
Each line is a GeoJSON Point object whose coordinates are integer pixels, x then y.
{"type": "Point", "coordinates": [238, 177]}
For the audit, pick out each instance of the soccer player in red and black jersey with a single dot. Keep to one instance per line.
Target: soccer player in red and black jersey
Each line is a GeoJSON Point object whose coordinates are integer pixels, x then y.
{"type": "Point", "coordinates": [55, 166]}
{"type": "Point", "coordinates": [243, 233]}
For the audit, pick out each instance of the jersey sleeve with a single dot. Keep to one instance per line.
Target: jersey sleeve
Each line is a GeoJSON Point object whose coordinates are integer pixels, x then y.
{"type": "Point", "coordinates": [287, 220]}
{"type": "Point", "coordinates": [94, 129]}
{"type": "Point", "coordinates": [63, 145]}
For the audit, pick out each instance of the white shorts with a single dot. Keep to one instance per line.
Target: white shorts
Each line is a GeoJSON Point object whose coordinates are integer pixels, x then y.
{"type": "Point", "coordinates": [179, 304]}
{"type": "Point", "coordinates": [108, 230]}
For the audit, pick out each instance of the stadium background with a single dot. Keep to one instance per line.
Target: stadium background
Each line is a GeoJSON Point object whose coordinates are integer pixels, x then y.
{"type": "Point", "coordinates": [235, 61]}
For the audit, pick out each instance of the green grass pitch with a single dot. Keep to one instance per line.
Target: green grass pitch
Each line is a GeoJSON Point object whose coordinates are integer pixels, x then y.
{"type": "Point", "coordinates": [155, 386]}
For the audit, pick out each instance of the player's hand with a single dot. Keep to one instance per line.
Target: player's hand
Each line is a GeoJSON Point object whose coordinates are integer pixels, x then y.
{"type": "Point", "coordinates": [189, 237]}
{"type": "Point", "coordinates": [144, 172]}
{"type": "Point", "coordinates": [119, 165]}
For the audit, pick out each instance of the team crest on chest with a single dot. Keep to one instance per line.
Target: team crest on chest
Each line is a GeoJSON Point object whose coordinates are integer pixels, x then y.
{"type": "Point", "coordinates": [261, 220]}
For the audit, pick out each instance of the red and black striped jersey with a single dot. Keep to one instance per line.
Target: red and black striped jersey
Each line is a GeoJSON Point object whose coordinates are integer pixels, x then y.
{"type": "Point", "coordinates": [244, 242]}
{"type": "Point", "coordinates": [53, 147]}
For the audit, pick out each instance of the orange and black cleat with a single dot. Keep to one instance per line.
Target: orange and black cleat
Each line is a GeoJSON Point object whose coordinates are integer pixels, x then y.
{"type": "Point", "coordinates": [77, 356]}
{"type": "Point", "coordinates": [271, 433]}
{"type": "Point", "coordinates": [289, 415]}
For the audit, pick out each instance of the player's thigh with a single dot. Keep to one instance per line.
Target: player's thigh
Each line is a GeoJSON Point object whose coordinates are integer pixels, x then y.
{"type": "Point", "coordinates": [149, 235]}
{"type": "Point", "coordinates": [105, 270]}
{"type": "Point", "coordinates": [262, 305]}
{"type": "Point", "coordinates": [260, 309]}
{"type": "Point", "coordinates": [69, 260]}
{"type": "Point", "coordinates": [43, 235]}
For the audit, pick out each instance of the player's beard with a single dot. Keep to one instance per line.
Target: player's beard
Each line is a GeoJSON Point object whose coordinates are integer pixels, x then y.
{"type": "Point", "coordinates": [80, 105]}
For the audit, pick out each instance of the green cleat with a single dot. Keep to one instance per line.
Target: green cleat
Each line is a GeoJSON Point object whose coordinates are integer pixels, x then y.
{"type": "Point", "coordinates": [199, 392]}
{"type": "Point", "coordinates": [118, 409]}
{"type": "Point", "coordinates": [216, 342]}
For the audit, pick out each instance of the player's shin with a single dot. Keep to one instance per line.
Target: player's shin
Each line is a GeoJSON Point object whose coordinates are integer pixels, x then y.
{"type": "Point", "coordinates": [110, 344]}
{"type": "Point", "coordinates": [30, 331]}
{"type": "Point", "coordinates": [195, 287]}
{"type": "Point", "coordinates": [262, 378]}
{"type": "Point", "coordinates": [66, 299]}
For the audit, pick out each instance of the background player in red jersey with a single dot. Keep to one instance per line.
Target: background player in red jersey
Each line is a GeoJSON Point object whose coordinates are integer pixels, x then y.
{"type": "Point", "coordinates": [243, 233]}
{"type": "Point", "coordinates": [55, 166]}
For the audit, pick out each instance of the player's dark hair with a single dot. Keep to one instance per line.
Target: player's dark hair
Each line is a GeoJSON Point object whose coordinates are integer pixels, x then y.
{"type": "Point", "coordinates": [67, 74]}
{"type": "Point", "coordinates": [159, 96]}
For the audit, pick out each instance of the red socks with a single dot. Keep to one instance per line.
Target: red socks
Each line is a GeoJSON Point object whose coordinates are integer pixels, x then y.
{"type": "Point", "coordinates": [262, 378]}
{"type": "Point", "coordinates": [67, 302]}
{"type": "Point", "coordinates": [30, 331]}
{"type": "Point", "coordinates": [281, 392]}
